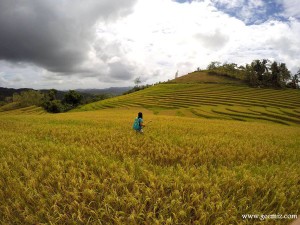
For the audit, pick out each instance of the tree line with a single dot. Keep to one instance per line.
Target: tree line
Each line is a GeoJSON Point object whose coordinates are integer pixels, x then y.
{"type": "Point", "coordinates": [259, 73]}
{"type": "Point", "coordinates": [51, 102]}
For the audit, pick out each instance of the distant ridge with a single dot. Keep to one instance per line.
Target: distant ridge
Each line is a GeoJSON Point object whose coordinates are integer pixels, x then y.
{"type": "Point", "coordinates": [111, 90]}
{"type": "Point", "coordinates": [8, 92]}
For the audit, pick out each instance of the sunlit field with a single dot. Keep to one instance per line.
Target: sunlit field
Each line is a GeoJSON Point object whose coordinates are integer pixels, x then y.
{"type": "Point", "coordinates": [92, 168]}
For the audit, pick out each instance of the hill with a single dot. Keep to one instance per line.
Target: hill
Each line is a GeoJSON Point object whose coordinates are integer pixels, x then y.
{"type": "Point", "coordinates": [8, 92]}
{"type": "Point", "coordinates": [212, 101]}
{"type": "Point", "coordinates": [206, 77]}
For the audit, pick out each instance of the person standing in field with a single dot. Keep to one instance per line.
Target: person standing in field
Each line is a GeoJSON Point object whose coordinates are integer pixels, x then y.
{"type": "Point", "coordinates": [139, 123]}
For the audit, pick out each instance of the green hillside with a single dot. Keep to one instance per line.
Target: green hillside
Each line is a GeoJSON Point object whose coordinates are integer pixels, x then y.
{"type": "Point", "coordinates": [206, 77]}
{"type": "Point", "coordinates": [212, 101]}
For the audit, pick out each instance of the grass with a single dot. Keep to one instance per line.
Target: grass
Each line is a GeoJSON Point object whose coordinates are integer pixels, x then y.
{"type": "Point", "coordinates": [91, 168]}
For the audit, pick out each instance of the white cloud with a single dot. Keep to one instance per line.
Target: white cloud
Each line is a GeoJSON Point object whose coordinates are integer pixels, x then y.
{"type": "Point", "coordinates": [3, 81]}
{"type": "Point", "coordinates": [160, 37]}
{"type": "Point", "coordinates": [291, 8]}
{"type": "Point", "coordinates": [163, 36]}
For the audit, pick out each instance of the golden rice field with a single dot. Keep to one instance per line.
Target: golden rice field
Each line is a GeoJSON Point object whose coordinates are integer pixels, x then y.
{"type": "Point", "coordinates": [92, 168]}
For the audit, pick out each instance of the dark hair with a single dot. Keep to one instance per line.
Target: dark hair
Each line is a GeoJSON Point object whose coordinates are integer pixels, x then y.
{"type": "Point", "coordinates": [140, 115]}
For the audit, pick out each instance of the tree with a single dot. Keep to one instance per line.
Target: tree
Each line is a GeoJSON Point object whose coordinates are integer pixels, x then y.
{"type": "Point", "coordinates": [297, 79]}
{"type": "Point", "coordinates": [260, 68]}
{"type": "Point", "coordinates": [137, 81]}
{"type": "Point", "coordinates": [54, 106]}
{"type": "Point", "coordinates": [50, 102]}
{"type": "Point", "coordinates": [230, 66]}
{"type": "Point", "coordinates": [275, 75]}
{"type": "Point", "coordinates": [285, 75]}
{"type": "Point", "coordinates": [28, 98]}
{"type": "Point", "coordinates": [52, 94]}
{"type": "Point", "coordinates": [16, 97]}
{"type": "Point", "coordinates": [242, 68]}
{"type": "Point", "coordinates": [8, 99]}
{"type": "Point", "coordinates": [72, 98]}
{"type": "Point", "coordinates": [294, 82]}
{"type": "Point", "coordinates": [176, 74]}
{"type": "Point", "coordinates": [250, 75]}
{"type": "Point", "coordinates": [213, 65]}
{"type": "Point", "coordinates": [266, 73]}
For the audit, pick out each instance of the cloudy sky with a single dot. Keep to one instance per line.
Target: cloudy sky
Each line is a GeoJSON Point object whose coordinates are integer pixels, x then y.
{"type": "Point", "coordinates": [70, 44]}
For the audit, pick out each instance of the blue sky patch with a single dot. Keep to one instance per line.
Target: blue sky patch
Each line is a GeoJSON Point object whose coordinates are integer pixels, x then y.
{"type": "Point", "coordinates": [248, 12]}
{"type": "Point", "coordinates": [183, 1]}
{"type": "Point", "coordinates": [255, 15]}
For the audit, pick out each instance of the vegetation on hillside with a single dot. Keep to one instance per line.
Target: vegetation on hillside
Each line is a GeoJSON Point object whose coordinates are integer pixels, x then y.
{"type": "Point", "coordinates": [8, 92]}
{"type": "Point", "coordinates": [259, 73]}
{"type": "Point", "coordinates": [206, 77]}
{"type": "Point", "coordinates": [227, 70]}
{"type": "Point", "coordinates": [51, 100]}
{"type": "Point", "coordinates": [137, 88]}
{"type": "Point", "coordinates": [91, 168]}
{"type": "Point", "coordinates": [28, 98]}
{"type": "Point", "coordinates": [71, 100]}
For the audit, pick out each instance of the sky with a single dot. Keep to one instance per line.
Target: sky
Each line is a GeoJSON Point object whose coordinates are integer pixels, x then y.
{"type": "Point", "coordinates": [70, 44]}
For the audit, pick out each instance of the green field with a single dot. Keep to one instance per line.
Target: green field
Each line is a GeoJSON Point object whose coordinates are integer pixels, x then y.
{"type": "Point", "coordinates": [213, 153]}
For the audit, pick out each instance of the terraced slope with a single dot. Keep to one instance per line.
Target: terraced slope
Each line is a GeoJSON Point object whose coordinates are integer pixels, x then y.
{"type": "Point", "coordinates": [212, 101]}
{"type": "Point", "coordinates": [9, 106]}
{"type": "Point", "coordinates": [10, 109]}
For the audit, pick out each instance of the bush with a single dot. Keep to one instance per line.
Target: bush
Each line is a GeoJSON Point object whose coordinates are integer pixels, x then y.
{"type": "Point", "coordinates": [28, 98]}
{"type": "Point", "coordinates": [54, 106]}
{"type": "Point", "coordinates": [72, 98]}
{"type": "Point", "coordinates": [137, 88]}
{"type": "Point", "coordinates": [2, 103]}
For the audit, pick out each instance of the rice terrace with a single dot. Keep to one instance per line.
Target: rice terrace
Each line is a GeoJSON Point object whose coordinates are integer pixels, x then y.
{"type": "Point", "coordinates": [217, 152]}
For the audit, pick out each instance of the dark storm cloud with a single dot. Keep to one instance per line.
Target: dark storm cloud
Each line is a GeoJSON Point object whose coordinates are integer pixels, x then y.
{"type": "Point", "coordinates": [55, 35]}
{"type": "Point", "coordinates": [120, 71]}
{"type": "Point", "coordinates": [114, 57]}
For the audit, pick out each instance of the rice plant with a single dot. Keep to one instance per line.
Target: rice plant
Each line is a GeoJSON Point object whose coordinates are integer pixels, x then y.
{"type": "Point", "coordinates": [92, 168]}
